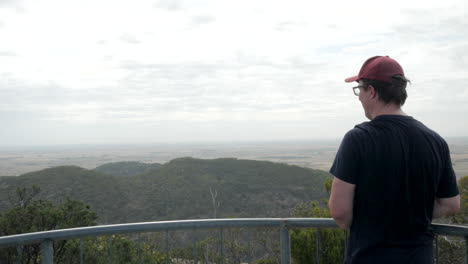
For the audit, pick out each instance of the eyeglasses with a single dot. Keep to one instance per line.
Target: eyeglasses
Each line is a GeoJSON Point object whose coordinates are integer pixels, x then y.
{"type": "Point", "coordinates": [357, 89]}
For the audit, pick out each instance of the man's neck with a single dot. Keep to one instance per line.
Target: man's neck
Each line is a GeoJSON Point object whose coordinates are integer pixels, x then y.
{"type": "Point", "coordinates": [387, 109]}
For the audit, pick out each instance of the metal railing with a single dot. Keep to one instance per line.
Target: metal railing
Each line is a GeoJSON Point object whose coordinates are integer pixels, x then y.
{"type": "Point", "coordinates": [46, 238]}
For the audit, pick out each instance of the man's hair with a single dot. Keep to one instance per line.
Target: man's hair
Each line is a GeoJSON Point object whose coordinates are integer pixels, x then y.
{"type": "Point", "coordinates": [394, 92]}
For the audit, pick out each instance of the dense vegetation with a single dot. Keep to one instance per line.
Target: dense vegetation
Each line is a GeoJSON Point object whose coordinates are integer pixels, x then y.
{"type": "Point", "coordinates": [32, 215]}
{"type": "Point", "coordinates": [453, 249]}
{"type": "Point", "coordinates": [179, 189]}
{"type": "Point", "coordinates": [328, 242]}
{"type": "Point", "coordinates": [262, 246]}
{"type": "Point", "coordinates": [126, 168]}
{"type": "Point", "coordinates": [238, 187]}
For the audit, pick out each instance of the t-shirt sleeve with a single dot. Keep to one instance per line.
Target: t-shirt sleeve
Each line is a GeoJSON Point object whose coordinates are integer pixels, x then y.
{"type": "Point", "coordinates": [346, 164]}
{"type": "Point", "coordinates": [447, 186]}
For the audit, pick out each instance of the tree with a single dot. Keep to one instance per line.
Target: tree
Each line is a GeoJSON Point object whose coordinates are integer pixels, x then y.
{"type": "Point", "coordinates": [452, 249]}
{"type": "Point", "coordinates": [124, 251]}
{"type": "Point", "coordinates": [32, 215]}
{"type": "Point", "coordinates": [216, 204]}
{"type": "Point", "coordinates": [327, 244]}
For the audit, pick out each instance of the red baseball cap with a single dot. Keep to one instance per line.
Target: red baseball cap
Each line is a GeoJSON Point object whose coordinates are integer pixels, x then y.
{"type": "Point", "coordinates": [380, 68]}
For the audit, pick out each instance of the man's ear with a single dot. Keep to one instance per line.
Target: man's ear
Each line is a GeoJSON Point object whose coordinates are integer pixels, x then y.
{"type": "Point", "coordinates": [372, 92]}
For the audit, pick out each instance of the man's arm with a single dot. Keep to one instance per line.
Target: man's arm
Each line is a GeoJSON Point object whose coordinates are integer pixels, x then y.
{"type": "Point", "coordinates": [341, 202]}
{"type": "Point", "coordinates": [446, 206]}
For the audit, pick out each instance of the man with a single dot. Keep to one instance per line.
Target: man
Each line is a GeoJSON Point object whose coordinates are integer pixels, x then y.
{"type": "Point", "coordinates": [393, 175]}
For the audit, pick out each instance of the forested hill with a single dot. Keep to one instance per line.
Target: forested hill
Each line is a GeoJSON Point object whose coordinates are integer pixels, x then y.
{"type": "Point", "coordinates": [127, 168]}
{"type": "Point", "coordinates": [179, 189]}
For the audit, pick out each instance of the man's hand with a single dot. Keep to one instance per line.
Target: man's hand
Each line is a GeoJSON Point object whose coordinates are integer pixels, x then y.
{"type": "Point", "coordinates": [341, 202]}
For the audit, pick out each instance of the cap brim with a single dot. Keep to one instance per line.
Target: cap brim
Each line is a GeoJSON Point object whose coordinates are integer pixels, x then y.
{"type": "Point", "coordinates": [352, 79]}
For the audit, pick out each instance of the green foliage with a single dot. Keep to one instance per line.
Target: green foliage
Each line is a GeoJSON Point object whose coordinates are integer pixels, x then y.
{"type": "Point", "coordinates": [122, 251]}
{"type": "Point", "coordinates": [305, 242]}
{"type": "Point", "coordinates": [207, 250]}
{"type": "Point", "coordinates": [179, 189]}
{"type": "Point", "coordinates": [267, 261]}
{"type": "Point", "coordinates": [39, 214]}
{"type": "Point", "coordinates": [270, 245]}
{"type": "Point", "coordinates": [126, 168]}
{"type": "Point", "coordinates": [311, 210]}
{"type": "Point", "coordinates": [31, 215]}
{"type": "Point", "coordinates": [451, 250]}
{"type": "Point", "coordinates": [327, 244]}
{"type": "Point", "coordinates": [328, 184]}
{"type": "Point", "coordinates": [240, 245]}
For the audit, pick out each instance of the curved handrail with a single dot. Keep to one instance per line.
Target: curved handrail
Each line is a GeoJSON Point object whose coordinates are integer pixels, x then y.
{"type": "Point", "coordinates": [284, 224]}
{"type": "Point", "coordinates": [73, 233]}
{"type": "Point", "coordinates": [450, 230]}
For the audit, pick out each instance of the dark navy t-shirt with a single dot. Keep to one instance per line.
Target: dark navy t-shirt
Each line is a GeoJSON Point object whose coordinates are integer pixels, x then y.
{"type": "Point", "coordinates": [399, 166]}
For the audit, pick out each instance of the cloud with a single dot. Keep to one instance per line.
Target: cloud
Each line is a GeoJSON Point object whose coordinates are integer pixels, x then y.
{"type": "Point", "coordinates": [7, 54]}
{"type": "Point", "coordinates": [202, 19]}
{"type": "Point", "coordinates": [227, 66]}
{"type": "Point", "coordinates": [246, 88]}
{"type": "Point", "coordinates": [10, 3]}
{"type": "Point", "coordinates": [442, 27]}
{"type": "Point", "coordinates": [290, 25]}
{"type": "Point", "coordinates": [127, 38]}
{"type": "Point", "coordinates": [243, 89]}
{"type": "Point", "coordinates": [15, 5]}
{"type": "Point", "coordinates": [174, 71]}
{"type": "Point", "coordinates": [171, 5]}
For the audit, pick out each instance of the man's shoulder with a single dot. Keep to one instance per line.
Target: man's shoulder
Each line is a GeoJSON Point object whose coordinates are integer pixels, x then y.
{"type": "Point", "coordinates": [359, 129]}
{"type": "Point", "coordinates": [362, 126]}
{"type": "Point", "coordinates": [429, 133]}
{"type": "Point", "coordinates": [357, 133]}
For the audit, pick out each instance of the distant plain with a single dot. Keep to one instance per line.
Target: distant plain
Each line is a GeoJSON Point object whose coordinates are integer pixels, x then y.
{"type": "Point", "coordinates": [312, 154]}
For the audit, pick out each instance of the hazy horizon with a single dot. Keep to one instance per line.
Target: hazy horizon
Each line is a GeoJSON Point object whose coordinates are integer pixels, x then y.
{"type": "Point", "coordinates": [17, 161]}
{"type": "Point", "coordinates": [318, 154]}
{"type": "Point", "coordinates": [337, 140]}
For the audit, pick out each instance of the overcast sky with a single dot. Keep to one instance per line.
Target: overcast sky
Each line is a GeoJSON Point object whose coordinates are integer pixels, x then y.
{"type": "Point", "coordinates": [101, 71]}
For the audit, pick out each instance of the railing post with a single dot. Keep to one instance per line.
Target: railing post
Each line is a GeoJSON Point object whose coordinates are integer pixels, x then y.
{"type": "Point", "coordinates": [317, 248]}
{"type": "Point", "coordinates": [81, 251]}
{"type": "Point", "coordinates": [285, 244]}
{"type": "Point", "coordinates": [167, 246]}
{"type": "Point", "coordinates": [47, 252]}
{"type": "Point", "coordinates": [19, 250]}
{"type": "Point", "coordinates": [466, 250]}
{"type": "Point", "coordinates": [221, 244]}
{"type": "Point", "coordinates": [109, 244]}
{"type": "Point", "coordinates": [194, 251]}
{"type": "Point", "coordinates": [345, 243]}
{"type": "Point", "coordinates": [250, 250]}
{"type": "Point", "coordinates": [139, 248]}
